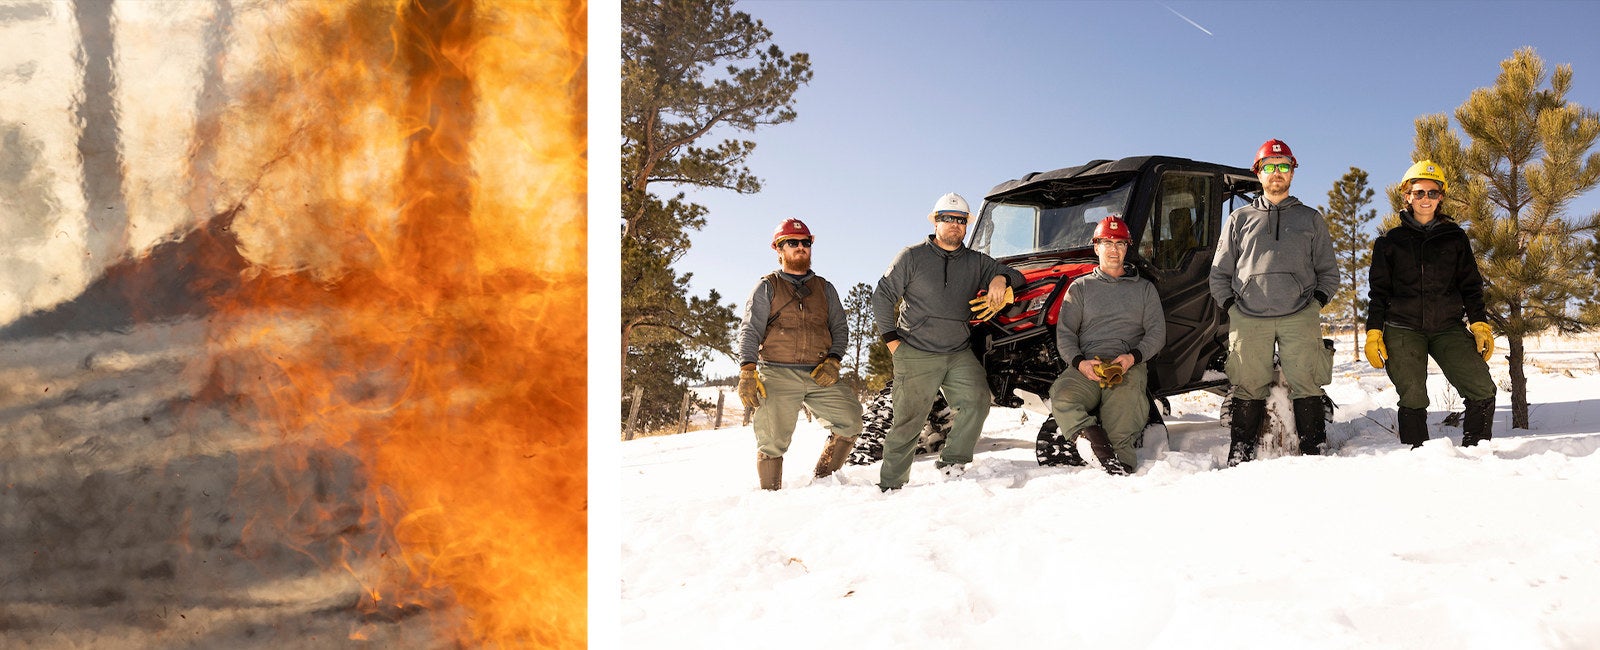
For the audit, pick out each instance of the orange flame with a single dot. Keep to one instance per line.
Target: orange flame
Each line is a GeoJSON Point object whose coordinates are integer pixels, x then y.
{"type": "Point", "coordinates": [413, 211]}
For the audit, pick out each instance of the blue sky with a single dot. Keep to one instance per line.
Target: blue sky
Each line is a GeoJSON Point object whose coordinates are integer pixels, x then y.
{"type": "Point", "coordinates": [914, 99]}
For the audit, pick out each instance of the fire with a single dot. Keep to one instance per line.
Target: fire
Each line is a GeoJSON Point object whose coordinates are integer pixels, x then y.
{"type": "Point", "coordinates": [409, 190]}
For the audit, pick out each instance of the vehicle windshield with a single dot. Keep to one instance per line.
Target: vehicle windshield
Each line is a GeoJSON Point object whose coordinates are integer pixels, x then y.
{"type": "Point", "coordinates": [1054, 220]}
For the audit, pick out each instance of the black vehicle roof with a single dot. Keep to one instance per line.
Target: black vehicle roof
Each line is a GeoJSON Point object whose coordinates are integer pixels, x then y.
{"type": "Point", "coordinates": [1128, 165]}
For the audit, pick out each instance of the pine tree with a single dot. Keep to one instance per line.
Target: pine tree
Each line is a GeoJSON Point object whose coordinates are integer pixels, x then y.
{"type": "Point", "coordinates": [863, 332]}
{"type": "Point", "coordinates": [880, 366]}
{"type": "Point", "coordinates": [1352, 247]}
{"type": "Point", "coordinates": [880, 362]}
{"type": "Point", "coordinates": [688, 67]}
{"type": "Point", "coordinates": [1526, 161]}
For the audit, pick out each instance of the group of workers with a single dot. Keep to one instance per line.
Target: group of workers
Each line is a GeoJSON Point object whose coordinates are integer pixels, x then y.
{"type": "Point", "coordinates": [1273, 272]}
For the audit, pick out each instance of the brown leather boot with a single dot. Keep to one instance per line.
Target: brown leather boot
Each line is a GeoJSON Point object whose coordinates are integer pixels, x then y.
{"type": "Point", "coordinates": [834, 455]}
{"type": "Point", "coordinates": [770, 470]}
{"type": "Point", "coordinates": [1100, 444]}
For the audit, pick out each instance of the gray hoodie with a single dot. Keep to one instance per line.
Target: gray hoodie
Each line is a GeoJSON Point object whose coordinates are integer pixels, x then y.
{"type": "Point", "coordinates": [936, 286]}
{"type": "Point", "coordinates": [1105, 317]}
{"type": "Point", "coordinates": [1273, 260]}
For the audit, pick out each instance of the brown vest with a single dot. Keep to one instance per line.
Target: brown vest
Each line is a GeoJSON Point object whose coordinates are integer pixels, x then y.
{"type": "Point", "coordinates": [797, 325]}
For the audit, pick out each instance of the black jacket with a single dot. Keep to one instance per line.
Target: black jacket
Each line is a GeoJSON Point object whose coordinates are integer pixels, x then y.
{"type": "Point", "coordinates": [1424, 279]}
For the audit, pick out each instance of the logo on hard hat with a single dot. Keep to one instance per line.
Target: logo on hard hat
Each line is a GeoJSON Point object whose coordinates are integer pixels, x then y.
{"type": "Point", "coordinates": [1431, 170]}
{"type": "Point", "coordinates": [1277, 148]}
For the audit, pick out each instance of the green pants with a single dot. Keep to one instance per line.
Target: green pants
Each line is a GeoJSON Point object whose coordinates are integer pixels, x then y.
{"type": "Point", "coordinates": [918, 376]}
{"type": "Point", "coordinates": [1124, 408]}
{"type": "Point", "coordinates": [1307, 365]}
{"type": "Point", "coordinates": [1453, 349]}
{"type": "Point", "coordinates": [787, 389]}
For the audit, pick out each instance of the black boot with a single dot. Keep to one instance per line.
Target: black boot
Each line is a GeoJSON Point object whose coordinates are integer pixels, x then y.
{"type": "Point", "coordinates": [1478, 425]}
{"type": "Point", "coordinates": [1413, 426]}
{"type": "Point", "coordinates": [1100, 444]}
{"type": "Point", "coordinates": [1311, 422]}
{"type": "Point", "coordinates": [1244, 429]}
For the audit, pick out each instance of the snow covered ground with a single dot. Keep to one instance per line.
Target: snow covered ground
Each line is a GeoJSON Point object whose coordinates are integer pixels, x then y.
{"type": "Point", "coordinates": [1375, 546]}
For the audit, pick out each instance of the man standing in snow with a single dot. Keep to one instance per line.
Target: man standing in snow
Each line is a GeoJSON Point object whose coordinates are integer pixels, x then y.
{"type": "Point", "coordinates": [1111, 321]}
{"type": "Point", "coordinates": [1424, 285]}
{"type": "Point", "coordinates": [932, 284]}
{"type": "Point", "coordinates": [790, 343]}
{"type": "Point", "coordinates": [1273, 273]}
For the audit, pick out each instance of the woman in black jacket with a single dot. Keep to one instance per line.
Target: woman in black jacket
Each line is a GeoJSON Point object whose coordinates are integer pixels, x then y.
{"type": "Point", "coordinates": [1424, 289]}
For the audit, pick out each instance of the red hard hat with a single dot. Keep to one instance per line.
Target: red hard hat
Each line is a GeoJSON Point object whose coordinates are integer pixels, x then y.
{"type": "Point", "coordinates": [1273, 148]}
{"type": "Point", "coordinates": [791, 229]}
{"type": "Point", "coordinates": [1112, 227]}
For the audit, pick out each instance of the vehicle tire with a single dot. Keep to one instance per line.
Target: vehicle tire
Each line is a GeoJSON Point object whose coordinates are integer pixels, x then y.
{"type": "Point", "coordinates": [1052, 447]}
{"type": "Point", "coordinates": [877, 416]}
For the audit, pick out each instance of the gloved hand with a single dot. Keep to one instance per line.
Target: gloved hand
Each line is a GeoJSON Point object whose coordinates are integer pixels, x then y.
{"type": "Point", "coordinates": [1376, 353]}
{"type": "Point", "coordinates": [826, 373]}
{"type": "Point", "coordinates": [751, 392]}
{"type": "Point", "coordinates": [981, 309]}
{"type": "Point", "coordinates": [1484, 338]}
{"type": "Point", "coordinates": [1109, 372]}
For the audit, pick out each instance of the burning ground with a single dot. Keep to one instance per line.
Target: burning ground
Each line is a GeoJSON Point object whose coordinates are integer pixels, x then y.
{"type": "Point", "coordinates": [128, 508]}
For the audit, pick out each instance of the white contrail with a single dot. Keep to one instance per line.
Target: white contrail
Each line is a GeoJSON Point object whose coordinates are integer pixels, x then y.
{"type": "Point", "coordinates": [1186, 19]}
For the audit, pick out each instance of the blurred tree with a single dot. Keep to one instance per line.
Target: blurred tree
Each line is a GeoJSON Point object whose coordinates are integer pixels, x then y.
{"type": "Point", "coordinates": [863, 332]}
{"type": "Point", "coordinates": [96, 115]}
{"type": "Point", "coordinates": [688, 67]}
{"type": "Point", "coordinates": [1527, 158]}
{"type": "Point", "coordinates": [880, 366]}
{"type": "Point", "coordinates": [1352, 247]}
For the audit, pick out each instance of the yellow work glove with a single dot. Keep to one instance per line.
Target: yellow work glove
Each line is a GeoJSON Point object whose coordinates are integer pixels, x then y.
{"type": "Point", "coordinates": [751, 392]}
{"type": "Point", "coordinates": [1376, 353]}
{"type": "Point", "coordinates": [1109, 372]}
{"type": "Point", "coordinates": [826, 373]}
{"type": "Point", "coordinates": [981, 309]}
{"type": "Point", "coordinates": [1484, 338]}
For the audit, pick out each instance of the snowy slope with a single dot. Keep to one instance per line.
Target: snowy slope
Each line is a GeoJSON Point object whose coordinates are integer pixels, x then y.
{"type": "Point", "coordinates": [1379, 545]}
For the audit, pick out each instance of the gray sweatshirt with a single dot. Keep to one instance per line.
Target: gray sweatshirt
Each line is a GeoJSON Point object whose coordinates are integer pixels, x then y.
{"type": "Point", "coordinates": [759, 307]}
{"type": "Point", "coordinates": [1273, 260]}
{"type": "Point", "coordinates": [1105, 317]}
{"type": "Point", "coordinates": [935, 286]}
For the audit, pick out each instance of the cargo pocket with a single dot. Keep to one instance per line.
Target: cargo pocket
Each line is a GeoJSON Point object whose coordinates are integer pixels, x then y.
{"type": "Point", "coordinates": [1324, 365]}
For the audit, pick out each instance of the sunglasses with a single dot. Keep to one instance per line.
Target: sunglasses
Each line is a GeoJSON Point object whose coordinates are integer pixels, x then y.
{"type": "Point", "coordinates": [796, 243]}
{"type": "Point", "coordinates": [1114, 243]}
{"type": "Point", "coordinates": [1280, 168]}
{"type": "Point", "coordinates": [951, 218]}
{"type": "Point", "coordinates": [1429, 194]}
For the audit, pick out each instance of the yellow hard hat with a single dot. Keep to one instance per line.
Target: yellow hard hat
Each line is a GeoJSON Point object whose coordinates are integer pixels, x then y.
{"type": "Point", "coordinates": [1426, 169]}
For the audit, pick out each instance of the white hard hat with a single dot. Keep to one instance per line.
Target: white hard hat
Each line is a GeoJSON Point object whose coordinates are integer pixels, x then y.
{"type": "Point", "coordinates": [951, 202]}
